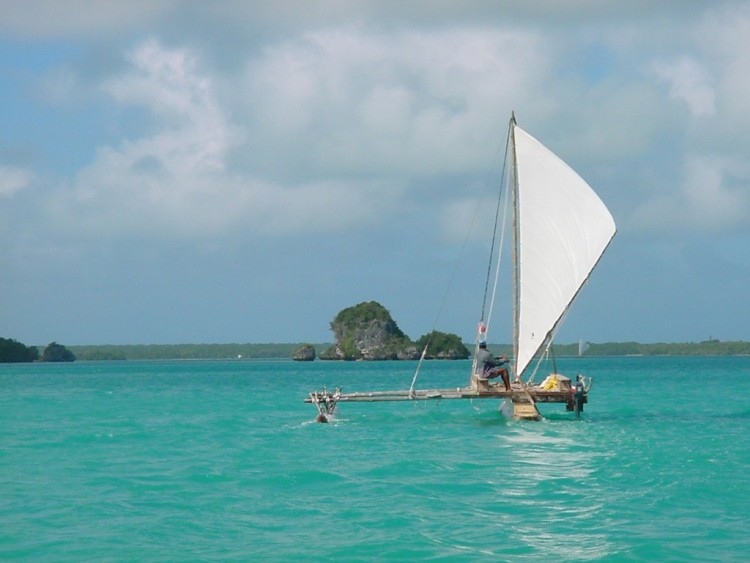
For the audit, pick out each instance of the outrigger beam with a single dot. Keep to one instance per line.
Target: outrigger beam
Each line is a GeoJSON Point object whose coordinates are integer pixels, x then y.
{"type": "Point", "coordinates": [524, 398]}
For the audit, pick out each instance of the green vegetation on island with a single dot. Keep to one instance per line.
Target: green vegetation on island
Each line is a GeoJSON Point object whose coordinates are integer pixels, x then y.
{"type": "Point", "coordinates": [443, 346]}
{"type": "Point", "coordinates": [368, 332]}
{"type": "Point", "coordinates": [12, 351]}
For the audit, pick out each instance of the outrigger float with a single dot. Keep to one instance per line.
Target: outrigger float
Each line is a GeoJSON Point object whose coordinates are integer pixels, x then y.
{"type": "Point", "coordinates": [560, 231]}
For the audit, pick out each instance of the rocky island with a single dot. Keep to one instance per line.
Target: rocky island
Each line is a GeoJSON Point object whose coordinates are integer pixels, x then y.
{"type": "Point", "coordinates": [368, 332]}
{"type": "Point", "coordinates": [305, 353]}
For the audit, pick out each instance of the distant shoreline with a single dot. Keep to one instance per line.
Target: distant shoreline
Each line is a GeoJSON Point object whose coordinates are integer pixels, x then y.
{"type": "Point", "coordinates": [270, 351]}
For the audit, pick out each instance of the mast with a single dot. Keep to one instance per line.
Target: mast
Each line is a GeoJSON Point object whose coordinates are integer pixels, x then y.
{"type": "Point", "coordinates": [516, 241]}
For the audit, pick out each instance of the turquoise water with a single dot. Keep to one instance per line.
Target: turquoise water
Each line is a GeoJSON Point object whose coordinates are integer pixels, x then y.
{"type": "Point", "coordinates": [207, 461]}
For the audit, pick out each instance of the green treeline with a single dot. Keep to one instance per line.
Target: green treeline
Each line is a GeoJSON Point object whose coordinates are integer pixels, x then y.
{"type": "Point", "coordinates": [705, 348]}
{"type": "Point", "coordinates": [186, 351]}
{"type": "Point", "coordinates": [13, 351]}
{"type": "Point", "coordinates": [285, 351]}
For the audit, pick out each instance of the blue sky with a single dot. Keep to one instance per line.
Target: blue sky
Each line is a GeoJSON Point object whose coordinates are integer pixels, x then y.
{"type": "Point", "coordinates": [239, 172]}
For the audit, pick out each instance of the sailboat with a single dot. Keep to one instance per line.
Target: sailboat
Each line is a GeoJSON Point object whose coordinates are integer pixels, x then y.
{"type": "Point", "coordinates": [561, 229]}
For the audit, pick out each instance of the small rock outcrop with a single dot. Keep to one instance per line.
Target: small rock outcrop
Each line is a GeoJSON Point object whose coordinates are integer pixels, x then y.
{"type": "Point", "coordinates": [305, 353]}
{"type": "Point", "coordinates": [55, 352]}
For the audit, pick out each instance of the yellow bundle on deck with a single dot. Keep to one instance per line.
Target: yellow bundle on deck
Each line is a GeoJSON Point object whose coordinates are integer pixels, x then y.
{"type": "Point", "coordinates": [551, 383]}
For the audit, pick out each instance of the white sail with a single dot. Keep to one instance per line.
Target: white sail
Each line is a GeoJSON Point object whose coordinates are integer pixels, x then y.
{"type": "Point", "coordinates": [562, 229]}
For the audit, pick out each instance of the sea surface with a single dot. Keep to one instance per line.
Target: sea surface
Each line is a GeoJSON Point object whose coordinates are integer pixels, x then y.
{"type": "Point", "coordinates": [221, 461]}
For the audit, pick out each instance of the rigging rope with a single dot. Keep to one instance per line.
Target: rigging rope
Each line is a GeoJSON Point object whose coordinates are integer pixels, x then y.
{"type": "Point", "coordinates": [455, 269]}
{"type": "Point", "coordinates": [494, 234]}
{"type": "Point", "coordinates": [440, 309]}
{"type": "Point", "coordinates": [499, 260]}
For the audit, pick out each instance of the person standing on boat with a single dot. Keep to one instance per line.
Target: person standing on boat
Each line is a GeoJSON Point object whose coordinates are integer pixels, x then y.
{"type": "Point", "coordinates": [489, 367]}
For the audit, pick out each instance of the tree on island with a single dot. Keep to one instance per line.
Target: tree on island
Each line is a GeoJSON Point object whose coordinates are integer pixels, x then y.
{"type": "Point", "coordinates": [55, 352]}
{"type": "Point", "coordinates": [12, 351]}
{"type": "Point", "coordinates": [443, 346]}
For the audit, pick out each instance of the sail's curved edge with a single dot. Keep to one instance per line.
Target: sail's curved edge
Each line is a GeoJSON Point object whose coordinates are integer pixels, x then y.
{"type": "Point", "coordinates": [563, 230]}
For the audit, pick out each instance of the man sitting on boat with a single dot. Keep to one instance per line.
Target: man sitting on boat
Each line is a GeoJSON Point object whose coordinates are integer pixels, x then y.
{"type": "Point", "coordinates": [489, 367]}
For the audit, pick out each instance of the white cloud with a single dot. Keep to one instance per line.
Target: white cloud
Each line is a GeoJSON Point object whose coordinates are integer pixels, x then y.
{"type": "Point", "coordinates": [164, 181]}
{"type": "Point", "coordinates": [332, 121]}
{"type": "Point", "coordinates": [345, 117]}
{"type": "Point", "coordinates": [167, 82]}
{"type": "Point", "coordinates": [13, 180]}
{"type": "Point", "coordinates": [410, 102]}
{"type": "Point", "coordinates": [728, 54]}
{"type": "Point", "coordinates": [176, 183]}
{"type": "Point", "coordinates": [689, 82]}
{"type": "Point", "coordinates": [712, 189]}
{"type": "Point", "coordinates": [713, 196]}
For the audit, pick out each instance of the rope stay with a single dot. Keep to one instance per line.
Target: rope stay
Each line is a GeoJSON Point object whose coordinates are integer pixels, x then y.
{"type": "Point", "coordinates": [454, 273]}
{"type": "Point", "coordinates": [498, 208]}
{"type": "Point", "coordinates": [419, 365]}
{"type": "Point", "coordinates": [499, 260]}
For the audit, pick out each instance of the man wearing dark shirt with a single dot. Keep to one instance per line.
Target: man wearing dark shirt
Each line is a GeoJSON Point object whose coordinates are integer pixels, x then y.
{"type": "Point", "coordinates": [489, 367]}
